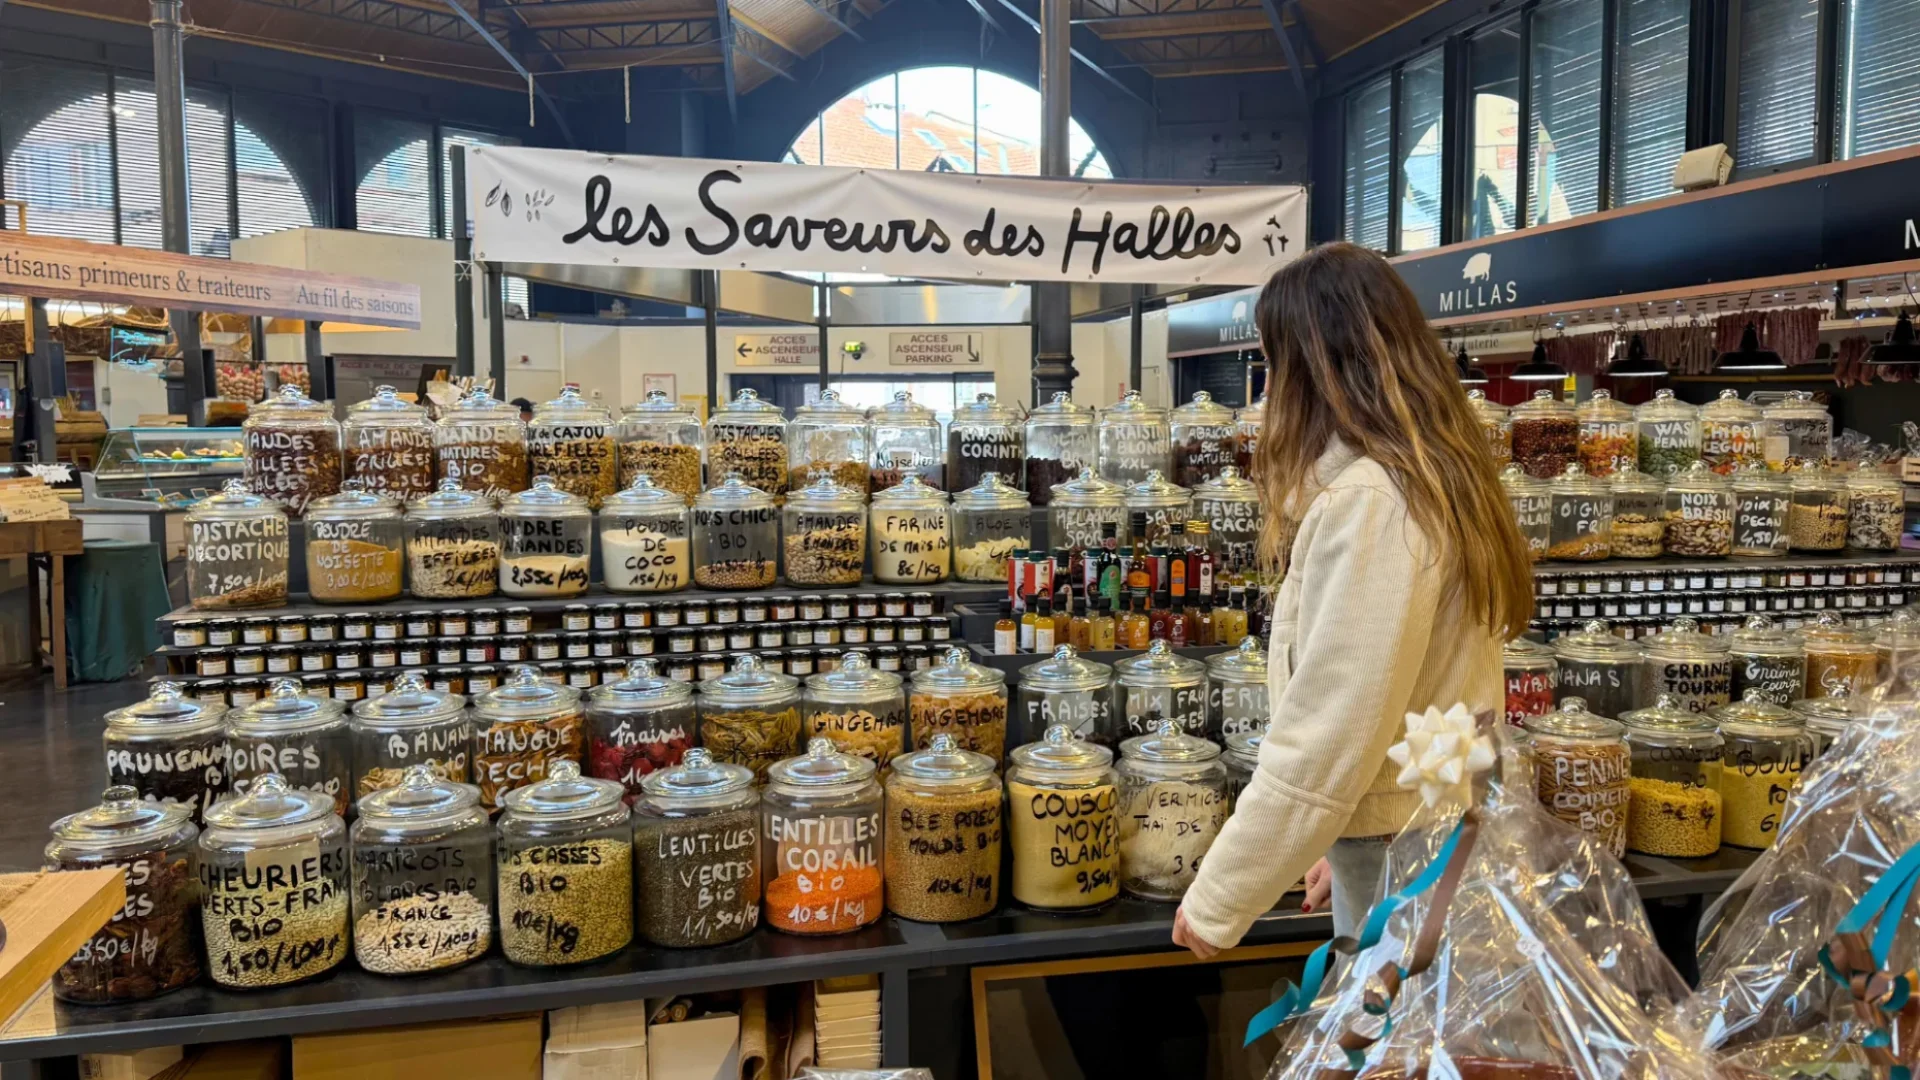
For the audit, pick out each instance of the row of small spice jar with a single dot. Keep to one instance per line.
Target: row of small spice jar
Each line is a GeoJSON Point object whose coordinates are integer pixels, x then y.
{"type": "Point", "coordinates": [1636, 611]}
{"type": "Point", "coordinates": [1604, 436]}
{"type": "Point", "coordinates": [1721, 578]}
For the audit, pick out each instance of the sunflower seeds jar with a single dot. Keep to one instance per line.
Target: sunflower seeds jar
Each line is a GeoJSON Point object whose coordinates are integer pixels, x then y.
{"type": "Point", "coordinates": [1582, 510]}
{"type": "Point", "coordinates": [906, 442]}
{"type": "Point", "coordinates": [991, 520]}
{"type": "Point", "coordinates": [1817, 514]}
{"type": "Point", "coordinates": [1598, 667]}
{"type": "Point", "coordinates": [236, 551]}
{"type": "Point", "coordinates": [482, 442]}
{"type": "Point", "coordinates": [354, 542]}
{"type": "Point", "coordinates": [696, 839]}
{"type": "Point", "coordinates": [823, 846]}
{"type": "Point", "coordinates": [1160, 684]}
{"type": "Point", "coordinates": [303, 739]}
{"type": "Point", "coordinates": [1797, 430]}
{"type": "Point", "coordinates": [1063, 814]}
{"type": "Point", "coordinates": [1173, 801]}
{"type": "Point", "coordinates": [1876, 509]}
{"type": "Point", "coordinates": [1609, 436]}
{"type": "Point", "coordinates": [1230, 505]}
{"type": "Point", "coordinates": [571, 441]}
{"type": "Point", "coordinates": [1134, 439]}
{"type": "Point", "coordinates": [1760, 503]}
{"type": "Point", "coordinates": [1496, 423]}
{"type": "Point", "coordinates": [1237, 689]}
{"type": "Point", "coordinates": [944, 826]}
{"type": "Point", "coordinates": [1546, 435]}
{"type": "Point", "coordinates": [1639, 515]}
{"type": "Point", "coordinates": [1694, 668]}
{"type": "Point", "coordinates": [1840, 659]}
{"type": "Point", "coordinates": [411, 724]}
{"type": "Point", "coordinates": [1203, 439]}
{"type": "Point", "coordinates": [1768, 659]}
{"type": "Point", "coordinates": [861, 709]}
{"type": "Point", "coordinates": [750, 716]}
{"type": "Point", "coordinates": [389, 446]}
{"type": "Point", "coordinates": [1060, 442]}
{"type": "Point", "coordinates": [1065, 689]}
{"type": "Point", "coordinates": [1082, 507]}
{"type": "Point", "coordinates": [1162, 502]}
{"type": "Point", "coordinates": [646, 539]}
{"type": "Point", "coordinates": [1730, 433]}
{"type": "Point", "coordinates": [292, 446]}
{"type": "Point", "coordinates": [170, 748]}
{"type": "Point", "coordinates": [564, 858]}
{"type": "Point", "coordinates": [662, 438]}
{"type": "Point", "coordinates": [736, 536]}
{"type": "Point", "coordinates": [1531, 674]}
{"type": "Point", "coordinates": [911, 528]}
{"type": "Point", "coordinates": [1532, 508]}
{"type": "Point", "coordinates": [273, 881]}
{"type": "Point", "coordinates": [1581, 770]}
{"type": "Point", "coordinates": [522, 731]}
{"type": "Point", "coordinates": [1675, 806]}
{"type": "Point", "coordinates": [546, 542]}
{"type": "Point", "coordinates": [1766, 748]}
{"type": "Point", "coordinates": [423, 880]}
{"type": "Point", "coordinates": [824, 532]}
{"type": "Point", "coordinates": [985, 437]}
{"type": "Point", "coordinates": [1700, 513]}
{"type": "Point", "coordinates": [637, 724]}
{"type": "Point", "coordinates": [1669, 434]}
{"type": "Point", "coordinates": [963, 699]}
{"type": "Point", "coordinates": [152, 944]}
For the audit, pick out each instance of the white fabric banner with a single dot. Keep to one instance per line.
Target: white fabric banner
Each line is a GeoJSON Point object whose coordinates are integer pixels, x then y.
{"type": "Point", "coordinates": [569, 206]}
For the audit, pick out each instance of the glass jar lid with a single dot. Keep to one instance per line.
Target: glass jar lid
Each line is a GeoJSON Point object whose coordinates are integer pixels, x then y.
{"type": "Point", "coordinates": [544, 499]}
{"type": "Point", "coordinates": [825, 494]}
{"type": "Point", "coordinates": [830, 409]}
{"type": "Point", "coordinates": [1061, 410]}
{"type": "Point", "coordinates": [526, 692]}
{"type": "Point", "coordinates": [1159, 666]}
{"type": "Point", "coordinates": [1477, 400]}
{"type": "Point", "coordinates": [1572, 721]}
{"type": "Point", "coordinates": [1900, 630]}
{"type": "Point", "coordinates": [288, 403]}
{"type": "Point", "coordinates": [1682, 638]}
{"type": "Point", "coordinates": [641, 689]}
{"type": "Point", "coordinates": [1132, 408]}
{"type": "Point", "coordinates": [1697, 476]}
{"type": "Point", "coordinates": [1229, 486]}
{"type": "Point", "coordinates": [1065, 671]}
{"type": "Point", "coordinates": [658, 407]}
{"type": "Point", "coordinates": [911, 493]}
{"type": "Point", "coordinates": [1665, 406]}
{"type": "Point", "coordinates": [564, 794]}
{"type": "Point", "coordinates": [1525, 652]}
{"type": "Point", "coordinates": [1544, 403]}
{"type": "Point", "coordinates": [1202, 410]}
{"type": "Point", "coordinates": [450, 500]}
{"type": "Point", "coordinates": [733, 493]}
{"type": "Point", "coordinates": [1754, 714]}
{"type": "Point", "coordinates": [856, 676]}
{"type": "Point", "coordinates": [984, 409]}
{"type": "Point", "coordinates": [1666, 717]}
{"type": "Point", "coordinates": [991, 493]}
{"type": "Point", "coordinates": [1156, 492]}
{"type": "Point", "coordinates": [1518, 481]}
{"type": "Point", "coordinates": [1595, 640]}
{"type": "Point", "coordinates": [1244, 746]}
{"type": "Point", "coordinates": [1795, 403]}
{"type": "Point", "coordinates": [954, 673]}
{"type": "Point", "coordinates": [269, 803]}
{"type": "Point", "coordinates": [1830, 630]}
{"type": "Point", "coordinates": [1061, 751]}
{"type": "Point", "coordinates": [234, 500]}
{"type": "Point", "coordinates": [1245, 664]}
{"type": "Point", "coordinates": [822, 766]}
{"type": "Point", "coordinates": [750, 682]}
{"type": "Point", "coordinates": [1752, 476]}
{"type": "Point", "coordinates": [480, 406]}
{"type": "Point", "coordinates": [1828, 715]}
{"type": "Point", "coordinates": [943, 762]}
{"type": "Point", "coordinates": [1573, 480]}
{"type": "Point", "coordinates": [643, 496]}
{"type": "Point", "coordinates": [1729, 407]}
{"type": "Point", "coordinates": [122, 822]}
{"type": "Point", "coordinates": [353, 501]}
{"type": "Point", "coordinates": [1255, 415]}
{"type": "Point", "coordinates": [571, 407]}
{"type": "Point", "coordinates": [387, 406]}
{"type": "Point", "coordinates": [1760, 635]}
{"type": "Point", "coordinates": [1600, 407]}
{"type": "Point", "coordinates": [1169, 744]}
{"type": "Point", "coordinates": [903, 411]}
{"type": "Point", "coordinates": [1811, 476]}
{"type": "Point", "coordinates": [284, 710]}
{"type": "Point", "coordinates": [697, 777]}
{"type": "Point", "coordinates": [747, 407]}
{"type": "Point", "coordinates": [420, 800]}
{"type": "Point", "coordinates": [166, 711]}
{"type": "Point", "coordinates": [410, 702]}
{"type": "Point", "coordinates": [1088, 490]}
{"type": "Point", "coordinates": [1636, 483]}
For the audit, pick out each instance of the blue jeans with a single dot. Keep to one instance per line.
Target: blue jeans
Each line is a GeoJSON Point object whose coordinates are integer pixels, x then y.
{"type": "Point", "coordinates": [1357, 865]}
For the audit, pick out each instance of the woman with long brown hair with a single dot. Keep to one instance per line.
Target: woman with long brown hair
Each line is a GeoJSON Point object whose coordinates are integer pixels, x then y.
{"type": "Point", "coordinates": [1404, 574]}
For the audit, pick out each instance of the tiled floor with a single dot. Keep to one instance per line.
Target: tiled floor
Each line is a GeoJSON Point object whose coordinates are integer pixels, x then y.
{"type": "Point", "coordinates": [51, 747]}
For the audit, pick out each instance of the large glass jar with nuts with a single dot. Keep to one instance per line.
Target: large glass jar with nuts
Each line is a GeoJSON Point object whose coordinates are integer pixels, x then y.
{"type": "Point", "coordinates": [829, 437]}
{"type": "Point", "coordinates": [1609, 437]}
{"type": "Point", "coordinates": [1876, 508]}
{"type": "Point", "coordinates": [482, 442]}
{"type": "Point", "coordinates": [292, 447]}
{"type": "Point", "coordinates": [1532, 505]}
{"type": "Point", "coordinates": [354, 542]}
{"type": "Point", "coordinates": [824, 533]}
{"type": "Point", "coordinates": [1669, 431]}
{"type": "Point", "coordinates": [646, 539]}
{"type": "Point", "coordinates": [748, 436]}
{"type": "Point", "coordinates": [736, 536]}
{"type": "Point", "coordinates": [390, 446]}
{"type": "Point", "coordinates": [906, 442]}
{"type": "Point", "coordinates": [1639, 515]}
{"type": "Point", "coordinates": [662, 438]}
{"type": "Point", "coordinates": [453, 544]}
{"type": "Point", "coordinates": [1760, 501]}
{"type": "Point", "coordinates": [236, 551]}
{"type": "Point", "coordinates": [1582, 529]}
{"type": "Point", "coordinates": [1817, 514]}
{"type": "Point", "coordinates": [1699, 513]}
{"type": "Point", "coordinates": [571, 440]}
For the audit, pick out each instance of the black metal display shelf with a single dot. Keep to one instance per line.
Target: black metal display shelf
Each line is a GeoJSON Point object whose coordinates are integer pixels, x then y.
{"type": "Point", "coordinates": [350, 999]}
{"type": "Point", "coordinates": [1796, 560]}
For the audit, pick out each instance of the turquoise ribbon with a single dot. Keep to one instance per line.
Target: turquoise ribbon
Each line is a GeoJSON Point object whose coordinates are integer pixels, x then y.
{"type": "Point", "coordinates": [1889, 894]}
{"type": "Point", "coordinates": [1295, 999]}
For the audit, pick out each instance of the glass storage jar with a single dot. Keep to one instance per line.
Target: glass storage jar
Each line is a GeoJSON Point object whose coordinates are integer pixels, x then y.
{"type": "Point", "coordinates": [1769, 659]}
{"type": "Point", "coordinates": [1876, 509]}
{"type": "Point", "coordinates": [273, 880]}
{"type": "Point", "coordinates": [751, 715]}
{"type": "Point", "coordinates": [944, 816]}
{"type": "Point", "coordinates": [1160, 684]}
{"type": "Point", "coordinates": [828, 438]}
{"type": "Point", "coordinates": [354, 540]}
{"type": "Point", "coordinates": [696, 839]}
{"type": "Point", "coordinates": [1598, 667]}
{"type": "Point", "coordinates": [570, 440]}
{"type": "Point", "coordinates": [824, 532]}
{"type": "Point", "coordinates": [1896, 639]}
{"type": "Point", "coordinates": [983, 437]}
{"type": "Point", "coordinates": [1760, 501]}
{"type": "Point", "coordinates": [546, 542]}
{"type": "Point", "coordinates": [1639, 515]}
{"type": "Point", "coordinates": [1247, 425]}
{"type": "Point", "coordinates": [151, 946]}
{"type": "Point", "coordinates": [523, 730]}
{"type": "Point", "coordinates": [823, 850]}
{"type": "Point", "coordinates": [236, 551]}
{"type": "Point", "coordinates": [1675, 808]}
{"type": "Point", "coordinates": [1840, 659]}
{"type": "Point", "coordinates": [1081, 508]}
{"type": "Point", "coordinates": [1581, 770]}
{"type": "Point", "coordinates": [1237, 690]}
{"type": "Point", "coordinates": [423, 883]}
{"type": "Point", "coordinates": [645, 539]}
{"type": "Point", "coordinates": [736, 536]}
{"type": "Point", "coordinates": [1134, 440]}
{"type": "Point", "coordinates": [1203, 439]}
{"type": "Point", "coordinates": [906, 442]}
{"type": "Point", "coordinates": [1064, 823]}
{"type": "Point", "coordinates": [1817, 516]}
{"type": "Point", "coordinates": [1827, 718]}
{"type": "Point", "coordinates": [1173, 801]}
{"type": "Point", "coordinates": [1609, 437]}
{"type": "Point", "coordinates": [1496, 423]}
{"type": "Point", "coordinates": [482, 442]}
{"type": "Point", "coordinates": [1767, 747]}
{"type": "Point", "coordinates": [912, 534]}
{"type": "Point", "coordinates": [1546, 435]}
{"type": "Point", "coordinates": [1730, 434]}
{"type": "Point", "coordinates": [1694, 668]}
{"type": "Point", "coordinates": [861, 709]}
{"type": "Point", "coordinates": [1230, 505]}
{"type": "Point", "coordinates": [638, 724]}
{"type": "Point", "coordinates": [303, 739]}
{"type": "Point", "coordinates": [662, 438]}
{"type": "Point", "coordinates": [1582, 513]}
{"type": "Point", "coordinates": [170, 748]}
{"type": "Point", "coordinates": [1163, 503]}
{"type": "Point", "coordinates": [1532, 508]}
{"type": "Point", "coordinates": [1669, 432]}
{"type": "Point", "coordinates": [1060, 443]}
{"type": "Point", "coordinates": [1700, 513]}
{"type": "Point", "coordinates": [453, 544]}
{"type": "Point", "coordinates": [1798, 431]}
{"type": "Point", "coordinates": [991, 521]}
{"type": "Point", "coordinates": [1241, 755]}
{"type": "Point", "coordinates": [564, 854]}
{"type": "Point", "coordinates": [962, 698]}
{"type": "Point", "coordinates": [1065, 689]}
{"type": "Point", "coordinates": [292, 447]}
{"type": "Point", "coordinates": [1531, 673]}
{"type": "Point", "coordinates": [389, 446]}
{"type": "Point", "coordinates": [409, 725]}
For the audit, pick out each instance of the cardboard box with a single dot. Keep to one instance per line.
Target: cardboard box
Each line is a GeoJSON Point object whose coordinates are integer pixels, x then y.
{"type": "Point", "coordinates": [134, 1065]}
{"type": "Point", "coordinates": [264, 1059]}
{"type": "Point", "coordinates": [503, 1048]}
{"type": "Point", "coordinates": [703, 1049]}
{"type": "Point", "coordinates": [597, 1042]}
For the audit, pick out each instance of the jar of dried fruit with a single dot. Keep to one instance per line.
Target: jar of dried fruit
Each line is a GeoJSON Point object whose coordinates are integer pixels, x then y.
{"type": "Point", "coordinates": [1675, 809]}
{"type": "Point", "coordinates": [546, 542]}
{"type": "Point", "coordinates": [170, 748]}
{"type": "Point", "coordinates": [236, 551]}
{"type": "Point", "coordinates": [991, 520]}
{"type": "Point", "coordinates": [646, 539]}
{"type": "Point", "coordinates": [1840, 659]}
{"type": "Point", "coordinates": [411, 724]}
{"type": "Point", "coordinates": [1876, 509]}
{"type": "Point", "coordinates": [1546, 435]}
{"type": "Point", "coordinates": [1798, 431]}
{"type": "Point", "coordinates": [1060, 442]}
{"type": "Point", "coordinates": [1203, 439]}
{"type": "Point", "coordinates": [1700, 513]}
{"type": "Point", "coordinates": [1581, 770]}
{"type": "Point", "coordinates": [1066, 688]}
{"type": "Point", "coordinates": [273, 878]}
{"type": "Point", "coordinates": [906, 442]}
{"type": "Point", "coordinates": [1693, 667]}
{"type": "Point", "coordinates": [1609, 437]}
{"type": "Point", "coordinates": [1766, 749]}
{"type": "Point", "coordinates": [824, 533]}
{"type": "Point", "coordinates": [1496, 423]}
{"type": "Point", "coordinates": [963, 698]}
{"type": "Point", "coordinates": [862, 709]}
{"type": "Point", "coordinates": [1760, 501]}
{"type": "Point", "coordinates": [571, 440]}
{"type": "Point", "coordinates": [1063, 823]}
{"type": "Point", "coordinates": [1160, 684]}
{"type": "Point", "coordinates": [1639, 515]}
{"type": "Point", "coordinates": [1817, 516]}
{"type": "Point", "coordinates": [662, 438]}
{"type": "Point", "coordinates": [292, 446]}
{"type": "Point", "coordinates": [1532, 508]}
{"type": "Point", "coordinates": [152, 944]}
{"type": "Point", "coordinates": [482, 442]}
{"type": "Point", "coordinates": [696, 839]}
{"type": "Point", "coordinates": [1669, 434]}
{"type": "Point", "coordinates": [1730, 433]}
{"type": "Point", "coordinates": [1082, 507]}
{"type": "Point", "coordinates": [823, 852]}
{"type": "Point", "coordinates": [564, 859]}
{"type": "Point", "coordinates": [736, 536]}
{"type": "Point", "coordinates": [1173, 802]}
{"type": "Point", "coordinates": [1134, 440]}
{"type": "Point", "coordinates": [1769, 659]}
{"type": "Point", "coordinates": [1582, 514]}
{"type": "Point", "coordinates": [983, 437]}
{"type": "Point", "coordinates": [522, 731]}
{"type": "Point", "coordinates": [390, 446]}
{"type": "Point", "coordinates": [354, 540]}
{"type": "Point", "coordinates": [1598, 667]}
{"type": "Point", "coordinates": [912, 531]}
{"type": "Point", "coordinates": [303, 738]}
{"type": "Point", "coordinates": [636, 724]}
{"type": "Point", "coordinates": [944, 826]}
{"type": "Point", "coordinates": [1531, 673]}
{"type": "Point", "coordinates": [423, 880]}
{"type": "Point", "coordinates": [751, 715]}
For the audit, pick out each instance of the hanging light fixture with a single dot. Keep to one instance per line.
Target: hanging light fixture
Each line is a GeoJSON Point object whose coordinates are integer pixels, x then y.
{"type": "Point", "coordinates": [1900, 346]}
{"type": "Point", "coordinates": [1638, 365]}
{"type": "Point", "coordinates": [1749, 358]}
{"type": "Point", "coordinates": [1539, 368]}
{"type": "Point", "coordinates": [1471, 374]}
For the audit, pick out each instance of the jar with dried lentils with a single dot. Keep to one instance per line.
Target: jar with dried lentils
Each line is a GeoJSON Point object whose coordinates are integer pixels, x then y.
{"type": "Point", "coordinates": [523, 730]}
{"type": "Point", "coordinates": [151, 946]}
{"type": "Point", "coordinates": [1700, 512]}
{"type": "Point", "coordinates": [823, 844]}
{"type": "Point", "coordinates": [292, 446]}
{"type": "Point", "coordinates": [1546, 435]}
{"type": "Point", "coordinates": [273, 879]}
{"type": "Point", "coordinates": [423, 881]}
{"type": "Point", "coordinates": [1675, 810]}
{"type": "Point", "coordinates": [944, 834]}
{"type": "Point", "coordinates": [696, 842]}
{"type": "Point", "coordinates": [482, 442]}
{"type": "Point", "coordinates": [390, 446]}
{"type": "Point", "coordinates": [1581, 771]}
{"type": "Point", "coordinates": [354, 541]}
{"type": "Point", "coordinates": [564, 860]}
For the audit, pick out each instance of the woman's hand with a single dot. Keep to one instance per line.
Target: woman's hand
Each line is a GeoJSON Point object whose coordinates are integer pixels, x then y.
{"type": "Point", "coordinates": [1184, 936]}
{"type": "Point", "coordinates": [1319, 887]}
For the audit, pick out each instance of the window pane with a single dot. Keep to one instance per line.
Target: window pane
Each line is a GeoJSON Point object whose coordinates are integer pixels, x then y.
{"type": "Point", "coordinates": [806, 148]}
{"type": "Point", "coordinates": [1649, 98]}
{"type": "Point", "coordinates": [1879, 71]}
{"type": "Point", "coordinates": [936, 119]}
{"type": "Point", "coordinates": [861, 129]}
{"type": "Point", "coordinates": [1008, 125]}
{"type": "Point", "coordinates": [1565, 73]}
{"type": "Point", "coordinates": [137, 131]}
{"type": "Point", "coordinates": [1423, 91]}
{"type": "Point", "coordinates": [280, 156]}
{"type": "Point", "coordinates": [395, 193]}
{"type": "Point", "coordinates": [1493, 178]}
{"type": "Point", "coordinates": [53, 138]}
{"type": "Point", "coordinates": [1779, 40]}
{"type": "Point", "coordinates": [450, 138]}
{"type": "Point", "coordinates": [1369, 130]}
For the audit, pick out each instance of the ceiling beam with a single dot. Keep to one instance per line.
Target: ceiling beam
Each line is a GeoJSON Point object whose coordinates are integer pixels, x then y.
{"type": "Point", "coordinates": [1294, 65]}
{"type": "Point", "coordinates": [745, 37]}
{"type": "Point", "coordinates": [1186, 69]}
{"type": "Point", "coordinates": [1304, 29]}
{"type": "Point", "coordinates": [439, 25]}
{"type": "Point", "coordinates": [824, 9]}
{"type": "Point", "coordinates": [740, 20]}
{"type": "Point", "coordinates": [986, 16]}
{"type": "Point", "coordinates": [723, 22]}
{"type": "Point", "coordinates": [520, 69]}
{"type": "Point", "coordinates": [537, 6]}
{"type": "Point", "coordinates": [669, 33]}
{"type": "Point", "coordinates": [1226, 23]}
{"type": "Point", "coordinates": [1021, 14]}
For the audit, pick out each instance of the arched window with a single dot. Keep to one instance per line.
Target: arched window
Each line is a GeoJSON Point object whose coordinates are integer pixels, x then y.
{"type": "Point", "coordinates": [941, 119]}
